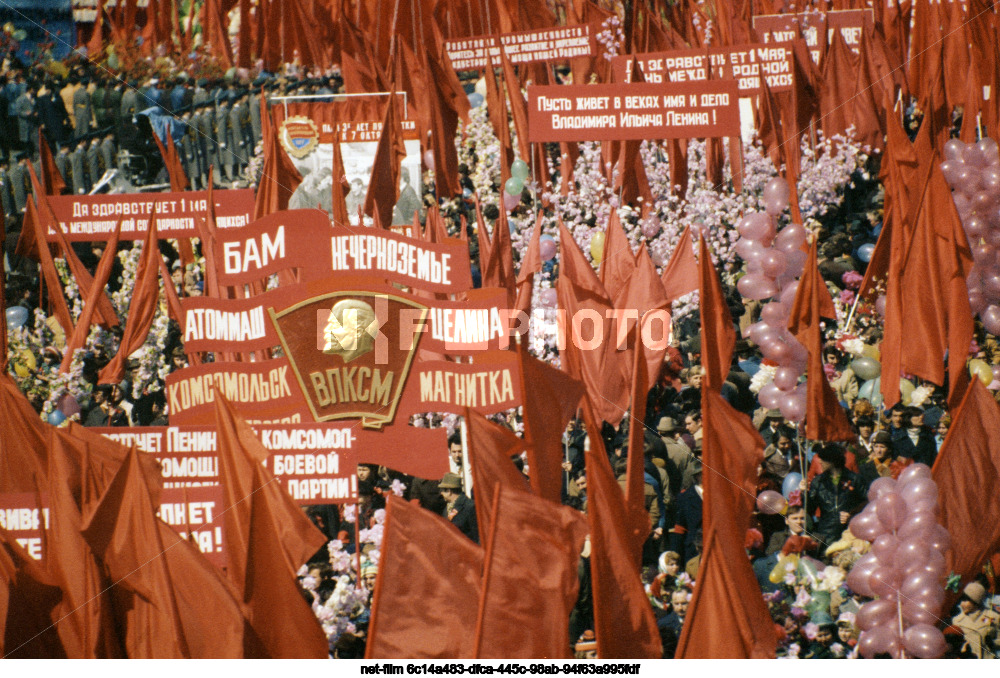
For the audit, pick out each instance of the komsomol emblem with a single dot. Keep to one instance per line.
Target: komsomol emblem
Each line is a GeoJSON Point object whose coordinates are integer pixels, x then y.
{"type": "Point", "coordinates": [299, 135]}
{"type": "Point", "coordinates": [351, 351]}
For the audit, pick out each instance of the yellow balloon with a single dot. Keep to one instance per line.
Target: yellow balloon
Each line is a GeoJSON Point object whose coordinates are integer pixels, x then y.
{"type": "Point", "coordinates": [871, 352]}
{"type": "Point", "coordinates": [25, 363]}
{"type": "Point", "coordinates": [597, 246]}
{"type": "Point", "coordinates": [979, 368]}
{"type": "Point", "coordinates": [781, 568]}
{"type": "Point", "coordinates": [906, 390]}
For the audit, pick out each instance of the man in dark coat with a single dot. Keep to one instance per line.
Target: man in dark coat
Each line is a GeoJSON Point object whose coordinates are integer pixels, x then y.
{"type": "Point", "coordinates": [688, 518]}
{"type": "Point", "coordinates": [52, 116]}
{"type": "Point", "coordinates": [837, 492]}
{"type": "Point", "coordinates": [917, 442]}
{"type": "Point", "coordinates": [459, 509]}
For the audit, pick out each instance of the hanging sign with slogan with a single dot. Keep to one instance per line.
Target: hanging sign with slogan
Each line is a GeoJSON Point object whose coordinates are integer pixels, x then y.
{"type": "Point", "coordinates": [743, 63]}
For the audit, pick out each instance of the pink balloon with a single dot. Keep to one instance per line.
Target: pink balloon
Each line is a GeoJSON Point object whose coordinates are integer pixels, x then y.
{"type": "Point", "coordinates": [914, 471]}
{"type": "Point", "coordinates": [990, 149]}
{"type": "Point", "coordinates": [548, 298]}
{"type": "Point", "coordinates": [950, 170]}
{"type": "Point", "coordinates": [770, 396]}
{"type": "Point", "coordinates": [774, 314]}
{"type": "Point", "coordinates": [777, 192]}
{"type": "Point", "coordinates": [788, 294]}
{"type": "Point", "coordinates": [973, 158]}
{"type": "Point", "coordinates": [429, 160]}
{"type": "Point", "coordinates": [547, 249]}
{"type": "Point", "coordinates": [991, 281]}
{"type": "Point", "coordinates": [924, 641]}
{"type": "Point", "coordinates": [917, 581]}
{"type": "Point", "coordinates": [774, 263]}
{"type": "Point", "coordinates": [796, 262]}
{"type": "Point", "coordinates": [859, 578]}
{"type": "Point", "coordinates": [651, 229]}
{"type": "Point", "coordinates": [918, 490]}
{"type": "Point", "coordinates": [991, 319]}
{"type": "Point", "coordinates": [790, 238]}
{"type": "Point", "coordinates": [510, 201]}
{"type": "Point", "coordinates": [891, 510]}
{"type": "Point", "coordinates": [881, 486]}
{"type": "Point", "coordinates": [786, 378]}
{"type": "Point", "coordinates": [918, 612]}
{"type": "Point", "coordinates": [939, 539]}
{"type": "Point", "coordinates": [756, 287]}
{"type": "Point", "coordinates": [919, 523]}
{"type": "Point", "coordinates": [880, 305]}
{"type": "Point", "coordinates": [884, 547]}
{"type": "Point", "coordinates": [885, 580]}
{"type": "Point", "coordinates": [978, 303]}
{"type": "Point", "coordinates": [778, 351]}
{"type": "Point", "coordinates": [874, 613]}
{"type": "Point", "coordinates": [880, 640]}
{"type": "Point", "coordinates": [975, 227]}
{"type": "Point", "coordinates": [771, 502]}
{"type": "Point", "coordinates": [912, 552]}
{"type": "Point", "coordinates": [866, 525]}
{"type": "Point", "coordinates": [793, 407]}
{"type": "Point", "coordinates": [749, 250]}
{"type": "Point", "coordinates": [954, 149]}
{"type": "Point", "coordinates": [757, 226]}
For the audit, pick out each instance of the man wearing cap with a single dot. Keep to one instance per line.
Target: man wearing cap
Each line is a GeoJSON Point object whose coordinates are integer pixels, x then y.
{"type": "Point", "coordinates": [459, 509]}
{"type": "Point", "coordinates": [94, 158]}
{"type": "Point", "coordinates": [981, 627]}
{"type": "Point", "coordinates": [773, 424]}
{"type": "Point", "coordinates": [78, 167]}
{"type": "Point", "coordinates": [82, 110]}
{"type": "Point", "coordinates": [20, 182]}
{"type": "Point", "coordinates": [109, 152]}
{"type": "Point", "coordinates": [679, 455]}
{"type": "Point", "coordinates": [882, 462]}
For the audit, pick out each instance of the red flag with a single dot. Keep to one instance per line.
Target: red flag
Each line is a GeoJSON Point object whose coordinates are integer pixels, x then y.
{"type": "Point", "coordinates": [593, 359]}
{"type": "Point", "coordinates": [635, 499]}
{"type": "Point", "coordinates": [677, 154]}
{"type": "Point", "coordinates": [34, 232]}
{"type": "Point", "coordinates": [550, 398]}
{"type": "Point", "coordinates": [496, 104]}
{"type": "Point", "coordinates": [383, 188]}
{"type": "Point", "coordinates": [214, 32]}
{"type": "Point", "coordinates": [178, 179]}
{"type": "Point", "coordinates": [170, 292]}
{"type": "Point", "coordinates": [531, 263]}
{"type": "Point", "coordinates": [23, 458]}
{"type": "Point", "coordinates": [623, 619]}
{"type": "Point", "coordinates": [499, 270]}
{"type": "Point", "coordinates": [825, 418]}
{"type": "Point", "coordinates": [617, 261]}
{"type": "Point", "coordinates": [645, 295]}
{"type": "Point", "coordinates": [518, 107]}
{"type": "Point", "coordinates": [244, 41]}
{"type": "Point", "coordinates": [490, 448]}
{"type": "Point", "coordinates": [96, 42]}
{"type": "Point", "coordinates": [141, 309]}
{"type": "Point", "coordinates": [169, 600]}
{"type": "Point", "coordinates": [530, 582]}
{"type": "Point", "coordinates": [259, 512]}
{"type": "Point", "coordinates": [718, 338]}
{"type": "Point", "coordinates": [106, 314]}
{"type": "Point", "coordinates": [727, 617]}
{"type": "Point", "coordinates": [840, 68]}
{"type": "Point", "coordinates": [434, 573]}
{"type": "Point", "coordinates": [52, 180]}
{"type": "Point", "coordinates": [340, 188]}
{"type": "Point", "coordinates": [27, 605]}
{"type": "Point", "coordinates": [680, 275]}
{"type": "Point", "coordinates": [279, 177]}
{"type": "Point", "coordinates": [935, 296]}
{"type": "Point", "coordinates": [969, 510]}
{"type": "Point", "coordinates": [79, 337]}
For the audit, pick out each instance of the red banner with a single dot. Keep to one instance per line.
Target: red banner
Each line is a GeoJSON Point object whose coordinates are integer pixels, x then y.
{"type": "Point", "coordinates": [263, 391]}
{"type": "Point", "coordinates": [196, 515]}
{"type": "Point", "coordinates": [743, 63]}
{"type": "Point", "coordinates": [21, 516]}
{"type": "Point", "coordinates": [525, 47]}
{"type": "Point", "coordinates": [633, 111]}
{"type": "Point", "coordinates": [816, 28]}
{"type": "Point", "coordinates": [95, 217]}
{"type": "Point", "coordinates": [211, 324]}
{"type": "Point", "coordinates": [305, 239]}
{"type": "Point", "coordinates": [489, 385]}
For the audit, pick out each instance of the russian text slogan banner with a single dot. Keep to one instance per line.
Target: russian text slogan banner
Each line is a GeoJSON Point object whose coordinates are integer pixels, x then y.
{"type": "Point", "coordinates": [263, 391]}
{"type": "Point", "coordinates": [188, 511]}
{"type": "Point", "coordinates": [95, 217]}
{"type": "Point", "coordinates": [744, 63]}
{"type": "Point", "coordinates": [633, 111]}
{"type": "Point", "coordinates": [315, 462]}
{"type": "Point", "coordinates": [489, 385]}
{"type": "Point", "coordinates": [304, 239]}
{"type": "Point", "coordinates": [816, 28]}
{"type": "Point", "coordinates": [547, 44]}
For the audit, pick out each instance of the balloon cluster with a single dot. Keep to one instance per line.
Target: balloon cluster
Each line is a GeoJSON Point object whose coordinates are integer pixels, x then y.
{"type": "Point", "coordinates": [513, 186]}
{"type": "Point", "coordinates": [905, 569]}
{"type": "Point", "coordinates": [973, 172]}
{"type": "Point", "coordinates": [774, 261]}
